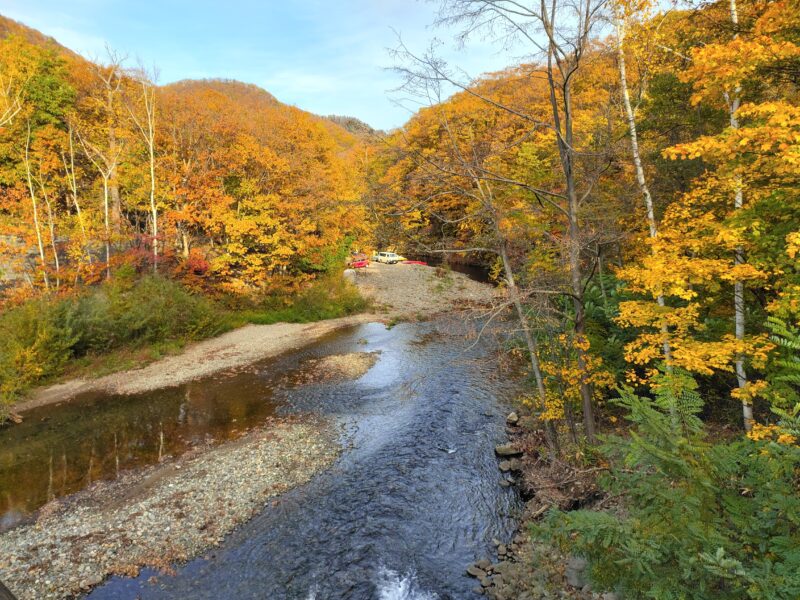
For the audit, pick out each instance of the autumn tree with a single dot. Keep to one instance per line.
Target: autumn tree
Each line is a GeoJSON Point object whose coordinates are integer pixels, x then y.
{"type": "Point", "coordinates": [559, 37]}
{"type": "Point", "coordinates": [711, 246]}
{"type": "Point", "coordinates": [142, 111]}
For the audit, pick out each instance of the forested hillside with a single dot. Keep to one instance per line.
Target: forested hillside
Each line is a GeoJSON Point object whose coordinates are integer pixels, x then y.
{"type": "Point", "coordinates": [107, 177]}
{"type": "Point", "coordinates": [102, 166]}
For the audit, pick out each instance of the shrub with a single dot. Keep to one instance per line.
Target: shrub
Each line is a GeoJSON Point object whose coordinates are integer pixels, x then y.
{"type": "Point", "coordinates": [329, 297]}
{"type": "Point", "coordinates": [35, 342]}
{"type": "Point", "coordinates": [39, 337]}
{"type": "Point", "coordinates": [699, 520]}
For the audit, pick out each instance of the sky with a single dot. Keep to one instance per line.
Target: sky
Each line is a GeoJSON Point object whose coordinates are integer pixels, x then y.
{"type": "Point", "coordinates": [324, 56]}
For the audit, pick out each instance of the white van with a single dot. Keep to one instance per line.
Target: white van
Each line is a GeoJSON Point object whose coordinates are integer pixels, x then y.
{"type": "Point", "coordinates": [389, 258]}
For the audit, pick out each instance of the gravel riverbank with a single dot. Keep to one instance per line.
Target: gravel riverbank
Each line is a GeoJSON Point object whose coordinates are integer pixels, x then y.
{"type": "Point", "coordinates": [163, 514]}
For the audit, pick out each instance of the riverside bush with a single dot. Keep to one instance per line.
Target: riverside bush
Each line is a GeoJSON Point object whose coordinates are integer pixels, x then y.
{"type": "Point", "coordinates": [39, 337]}
{"type": "Point", "coordinates": [329, 297]}
{"type": "Point", "coordinates": [699, 520]}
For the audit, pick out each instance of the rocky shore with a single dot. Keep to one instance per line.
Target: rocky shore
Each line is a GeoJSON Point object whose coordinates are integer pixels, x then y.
{"type": "Point", "coordinates": [166, 513]}
{"type": "Point", "coordinates": [525, 569]}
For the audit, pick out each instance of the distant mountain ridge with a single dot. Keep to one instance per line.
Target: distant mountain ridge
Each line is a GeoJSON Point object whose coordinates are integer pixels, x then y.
{"type": "Point", "coordinates": [11, 27]}
{"type": "Point", "coordinates": [248, 95]}
{"type": "Point", "coordinates": [353, 125]}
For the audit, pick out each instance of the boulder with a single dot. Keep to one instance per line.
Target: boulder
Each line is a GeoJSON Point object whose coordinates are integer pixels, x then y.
{"type": "Point", "coordinates": [510, 465]}
{"type": "Point", "coordinates": [576, 571]}
{"type": "Point", "coordinates": [500, 567]}
{"type": "Point", "coordinates": [476, 572]}
{"type": "Point", "coordinates": [512, 418]}
{"type": "Point", "coordinates": [507, 450]}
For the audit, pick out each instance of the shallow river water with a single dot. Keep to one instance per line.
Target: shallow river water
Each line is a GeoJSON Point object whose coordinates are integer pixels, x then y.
{"type": "Point", "coordinates": [414, 498]}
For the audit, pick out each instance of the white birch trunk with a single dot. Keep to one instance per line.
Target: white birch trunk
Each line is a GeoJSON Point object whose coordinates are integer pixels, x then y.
{"type": "Point", "coordinates": [734, 101]}
{"type": "Point", "coordinates": [36, 225]}
{"type": "Point", "coordinates": [641, 180]}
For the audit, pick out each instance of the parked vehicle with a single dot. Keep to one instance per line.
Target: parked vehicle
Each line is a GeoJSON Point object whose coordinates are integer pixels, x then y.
{"type": "Point", "coordinates": [389, 258]}
{"type": "Point", "coordinates": [358, 260]}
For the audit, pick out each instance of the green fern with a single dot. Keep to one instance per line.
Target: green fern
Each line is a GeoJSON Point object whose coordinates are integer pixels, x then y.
{"type": "Point", "coordinates": [783, 372]}
{"type": "Point", "coordinates": [698, 520]}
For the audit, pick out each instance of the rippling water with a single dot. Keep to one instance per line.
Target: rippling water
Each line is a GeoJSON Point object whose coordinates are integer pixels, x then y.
{"type": "Point", "coordinates": [413, 499]}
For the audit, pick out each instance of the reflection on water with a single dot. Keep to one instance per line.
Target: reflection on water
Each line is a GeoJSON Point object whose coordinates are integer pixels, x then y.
{"type": "Point", "coordinates": [62, 448]}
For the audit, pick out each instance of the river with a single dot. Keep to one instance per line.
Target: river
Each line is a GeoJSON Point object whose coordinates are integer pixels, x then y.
{"type": "Point", "coordinates": [414, 498]}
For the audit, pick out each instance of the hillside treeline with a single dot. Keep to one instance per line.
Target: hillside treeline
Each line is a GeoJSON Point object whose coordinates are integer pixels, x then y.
{"type": "Point", "coordinates": [100, 166]}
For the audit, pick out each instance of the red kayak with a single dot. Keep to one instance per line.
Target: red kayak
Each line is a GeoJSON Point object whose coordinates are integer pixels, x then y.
{"type": "Point", "coordinates": [414, 262]}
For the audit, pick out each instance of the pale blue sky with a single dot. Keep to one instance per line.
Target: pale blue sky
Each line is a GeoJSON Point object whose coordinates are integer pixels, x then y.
{"type": "Point", "coordinates": [328, 57]}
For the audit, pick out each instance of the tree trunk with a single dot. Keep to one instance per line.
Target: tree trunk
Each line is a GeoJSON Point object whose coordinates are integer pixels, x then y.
{"type": "Point", "coordinates": [738, 256]}
{"type": "Point", "coordinates": [564, 137]}
{"type": "Point", "coordinates": [113, 184]}
{"type": "Point", "coordinates": [52, 228]}
{"type": "Point", "coordinates": [107, 226]}
{"type": "Point", "coordinates": [641, 180]}
{"type": "Point", "coordinates": [185, 243]}
{"type": "Point", "coordinates": [153, 208]}
{"type": "Point", "coordinates": [35, 210]}
{"type": "Point", "coordinates": [69, 168]}
{"type": "Point", "coordinates": [533, 350]}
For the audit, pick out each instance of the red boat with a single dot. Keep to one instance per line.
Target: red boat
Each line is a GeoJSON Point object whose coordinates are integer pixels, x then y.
{"type": "Point", "coordinates": [414, 262]}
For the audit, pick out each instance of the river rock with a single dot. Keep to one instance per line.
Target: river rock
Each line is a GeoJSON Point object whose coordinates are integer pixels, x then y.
{"type": "Point", "coordinates": [507, 450]}
{"type": "Point", "coordinates": [576, 571]}
{"type": "Point", "coordinates": [510, 465]}
{"type": "Point", "coordinates": [476, 572]}
{"type": "Point", "coordinates": [502, 550]}
{"type": "Point", "coordinates": [512, 418]}
{"type": "Point", "coordinates": [483, 564]}
{"type": "Point", "coordinates": [500, 567]}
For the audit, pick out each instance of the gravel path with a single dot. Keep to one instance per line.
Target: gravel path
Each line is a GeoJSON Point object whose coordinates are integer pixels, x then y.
{"type": "Point", "coordinates": [160, 515]}
{"type": "Point", "coordinates": [408, 291]}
